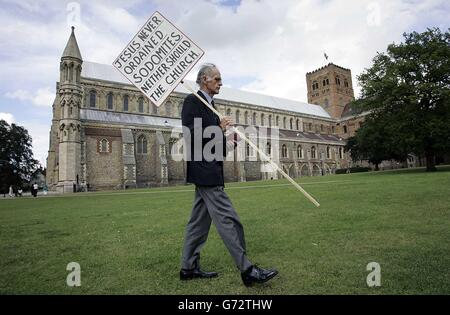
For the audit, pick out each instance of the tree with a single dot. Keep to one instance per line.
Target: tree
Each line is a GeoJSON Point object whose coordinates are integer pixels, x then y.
{"type": "Point", "coordinates": [16, 157]}
{"type": "Point", "coordinates": [372, 142]}
{"type": "Point", "coordinates": [408, 87]}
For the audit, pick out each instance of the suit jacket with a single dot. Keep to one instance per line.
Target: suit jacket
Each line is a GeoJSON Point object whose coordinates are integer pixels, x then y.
{"type": "Point", "coordinates": [202, 173]}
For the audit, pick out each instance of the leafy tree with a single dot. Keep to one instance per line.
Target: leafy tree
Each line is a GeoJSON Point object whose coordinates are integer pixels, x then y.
{"type": "Point", "coordinates": [16, 157]}
{"type": "Point", "coordinates": [408, 89]}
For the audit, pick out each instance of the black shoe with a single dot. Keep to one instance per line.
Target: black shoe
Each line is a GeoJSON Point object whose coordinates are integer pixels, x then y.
{"type": "Point", "coordinates": [196, 273]}
{"type": "Point", "coordinates": [255, 274]}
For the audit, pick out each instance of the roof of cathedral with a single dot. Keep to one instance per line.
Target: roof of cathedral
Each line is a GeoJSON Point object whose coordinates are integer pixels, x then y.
{"type": "Point", "coordinates": [72, 49]}
{"type": "Point", "coordinates": [109, 73]}
{"type": "Point", "coordinates": [126, 118]}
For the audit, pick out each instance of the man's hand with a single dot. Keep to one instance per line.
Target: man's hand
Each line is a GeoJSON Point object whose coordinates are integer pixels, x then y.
{"type": "Point", "coordinates": [226, 122]}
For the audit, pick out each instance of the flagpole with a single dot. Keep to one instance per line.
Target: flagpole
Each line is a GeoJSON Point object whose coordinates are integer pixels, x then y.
{"type": "Point", "coordinates": [254, 146]}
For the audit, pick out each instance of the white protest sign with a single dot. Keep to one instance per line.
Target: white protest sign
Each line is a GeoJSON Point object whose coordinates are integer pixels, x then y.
{"type": "Point", "coordinates": [158, 58]}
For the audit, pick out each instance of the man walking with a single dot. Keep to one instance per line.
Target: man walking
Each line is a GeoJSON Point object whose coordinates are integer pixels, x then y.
{"type": "Point", "coordinates": [211, 203]}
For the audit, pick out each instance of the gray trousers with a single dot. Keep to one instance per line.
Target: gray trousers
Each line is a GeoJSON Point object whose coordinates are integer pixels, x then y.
{"type": "Point", "coordinates": [213, 203]}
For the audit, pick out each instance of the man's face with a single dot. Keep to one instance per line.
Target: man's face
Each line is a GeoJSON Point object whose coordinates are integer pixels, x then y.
{"type": "Point", "coordinates": [213, 82]}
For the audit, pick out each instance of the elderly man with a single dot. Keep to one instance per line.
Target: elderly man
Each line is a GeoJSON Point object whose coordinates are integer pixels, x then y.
{"type": "Point", "coordinates": [206, 172]}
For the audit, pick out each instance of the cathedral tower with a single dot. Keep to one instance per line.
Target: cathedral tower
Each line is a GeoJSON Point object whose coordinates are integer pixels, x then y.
{"type": "Point", "coordinates": [70, 94]}
{"type": "Point", "coordinates": [330, 87]}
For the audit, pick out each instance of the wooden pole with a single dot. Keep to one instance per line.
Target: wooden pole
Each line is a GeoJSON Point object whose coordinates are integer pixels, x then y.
{"type": "Point", "coordinates": [263, 155]}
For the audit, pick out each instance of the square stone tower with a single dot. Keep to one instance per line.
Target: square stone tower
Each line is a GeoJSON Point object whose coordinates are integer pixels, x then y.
{"type": "Point", "coordinates": [330, 87]}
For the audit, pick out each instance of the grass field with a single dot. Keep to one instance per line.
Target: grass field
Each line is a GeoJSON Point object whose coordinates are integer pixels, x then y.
{"type": "Point", "coordinates": [129, 242]}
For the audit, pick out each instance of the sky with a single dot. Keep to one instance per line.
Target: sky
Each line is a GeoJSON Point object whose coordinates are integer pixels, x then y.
{"type": "Point", "coordinates": [265, 46]}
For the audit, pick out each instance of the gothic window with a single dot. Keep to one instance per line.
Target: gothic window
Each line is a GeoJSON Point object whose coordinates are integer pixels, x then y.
{"type": "Point", "coordinates": [338, 80]}
{"type": "Point", "coordinates": [262, 119]}
{"type": "Point", "coordinates": [141, 105]}
{"type": "Point", "coordinates": [238, 113]}
{"type": "Point", "coordinates": [291, 124]}
{"type": "Point", "coordinates": [248, 150]}
{"type": "Point", "coordinates": [313, 153]}
{"type": "Point", "coordinates": [92, 98]}
{"type": "Point", "coordinates": [254, 119]}
{"type": "Point", "coordinates": [278, 121]}
{"type": "Point", "coordinates": [169, 108]}
{"type": "Point", "coordinates": [71, 72]}
{"type": "Point", "coordinates": [346, 83]}
{"type": "Point", "coordinates": [229, 112]}
{"type": "Point", "coordinates": [341, 153]}
{"type": "Point", "coordinates": [104, 146]}
{"type": "Point", "coordinates": [284, 151]}
{"type": "Point", "coordinates": [298, 124]}
{"type": "Point", "coordinates": [270, 120]}
{"type": "Point", "coordinates": [284, 122]}
{"type": "Point", "coordinates": [125, 103]}
{"type": "Point", "coordinates": [246, 118]}
{"type": "Point", "coordinates": [300, 152]}
{"type": "Point", "coordinates": [109, 101]}
{"type": "Point", "coordinates": [328, 82]}
{"type": "Point", "coordinates": [328, 153]}
{"type": "Point", "coordinates": [142, 145]}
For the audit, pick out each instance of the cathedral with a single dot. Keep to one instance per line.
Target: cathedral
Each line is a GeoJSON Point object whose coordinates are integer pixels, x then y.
{"type": "Point", "coordinates": [106, 135]}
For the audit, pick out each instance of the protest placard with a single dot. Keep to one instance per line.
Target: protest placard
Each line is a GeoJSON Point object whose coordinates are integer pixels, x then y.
{"type": "Point", "coordinates": [158, 58]}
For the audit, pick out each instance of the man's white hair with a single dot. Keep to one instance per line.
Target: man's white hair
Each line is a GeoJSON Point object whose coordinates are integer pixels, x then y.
{"type": "Point", "coordinates": [205, 70]}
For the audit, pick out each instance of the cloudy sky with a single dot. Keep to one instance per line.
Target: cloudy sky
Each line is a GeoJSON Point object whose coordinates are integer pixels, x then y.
{"type": "Point", "coordinates": [265, 46]}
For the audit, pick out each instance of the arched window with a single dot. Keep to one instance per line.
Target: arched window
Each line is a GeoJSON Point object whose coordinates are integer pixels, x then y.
{"type": "Point", "coordinates": [310, 126]}
{"type": "Point", "coordinates": [284, 122]}
{"type": "Point", "coordinates": [109, 101]}
{"type": "Point", "coordinates": [229, 112]}
{"type": "Point", "coordinates": [338, 80]}
{"type": "Point", "coordinates": [341, 153]}
{"type": "Point", "coordinates": [300, 152]}
{"type": "Point", "coordinates": [328, 153]}
{"type": "Point", "coordinates": [92, 98]}
{"type": "Point", "coordinates": [346, 83]}
{"type": "Point", "coordinates": [324, 83]}
{"type": "Point", "coordinates": [142, 145]}
{"type": "Point", "coordinates": [248, 150]}
{"type": "Point", "coordinates": [71, 72]}
{"type": "Point", "coordinates": [238, 114]}
{"type": "Point", "coordinates": [328, 81]}
{"type": "Point", "coordinates": [254, 119]}
{"type": "Point", "coordinates": [321, 128]}
{"type": "Point", "coordinates": [313, 153]}
{"type": "Point", "coordinates": [270, 120]}
{"type": "Point", "coordinates": [284, 151]}
{"type": "Point", "coordinates": [291, 123]}
{"type": "Point", "coordinates": [268, 149]}
{"type": "Point", "coordinates": [125, 103]}
{"type": "Point", "coordinates": [298, 124]}
{"type": "Point", "coordinates": [168, 108]}
{"type": "Point", "coordinates": [141, 105]}
{"type": "Point", "coordinates": [345, 129]}
{"type": "Point", "coordinates": [104, 146]}
{"type": "Point", "coordinates": [246, 118]}
{"type": "Point", "coordinates": [262, 120]}
{"type": "Point", "coordinates": [278, 121]}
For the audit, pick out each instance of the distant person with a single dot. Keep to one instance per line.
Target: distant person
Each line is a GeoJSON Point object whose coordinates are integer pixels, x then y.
{"type": "Point", "coordinates": [211, 203]}
{"type": "Point", "coordinates": [35, 189]}
{"type": "Point", "coordinates": [11, 191]}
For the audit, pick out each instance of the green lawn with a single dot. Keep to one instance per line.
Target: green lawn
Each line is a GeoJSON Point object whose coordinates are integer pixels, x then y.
{"type": "Point", "coordinates": [129, 242]}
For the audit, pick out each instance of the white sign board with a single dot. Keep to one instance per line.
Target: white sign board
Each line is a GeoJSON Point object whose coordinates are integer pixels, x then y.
{"type": "Point", "coordinates": [158, 58]}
